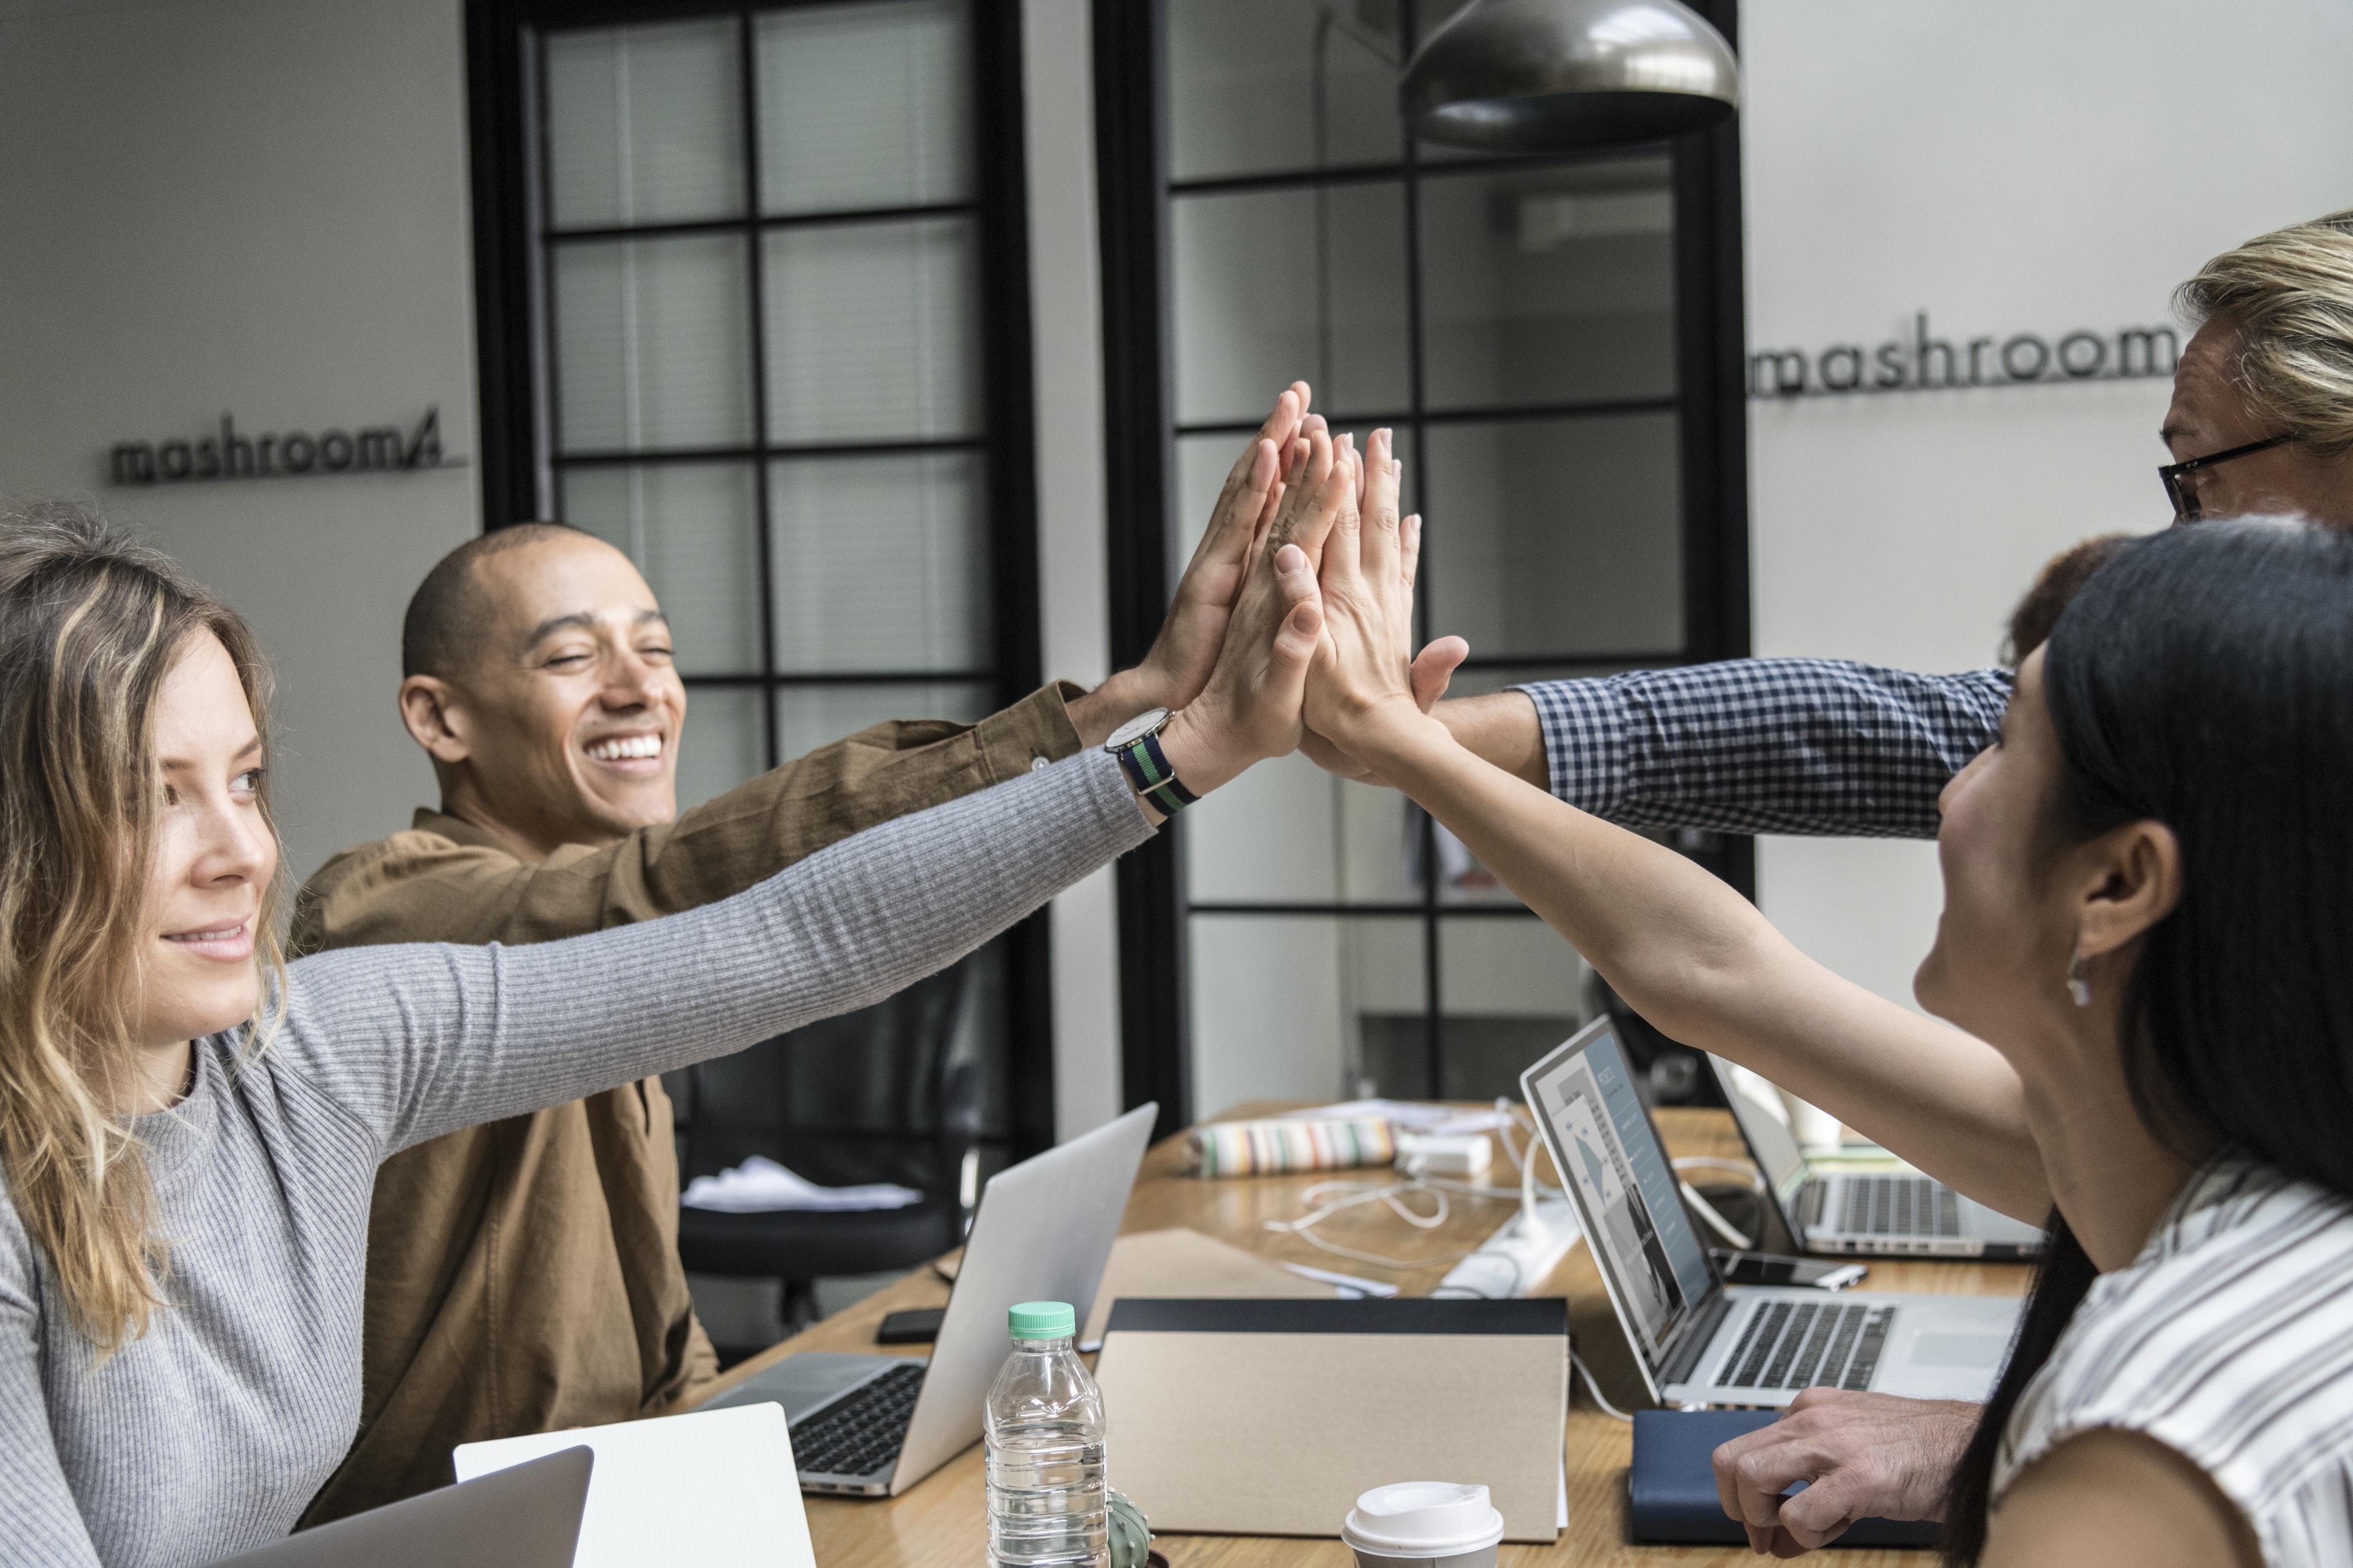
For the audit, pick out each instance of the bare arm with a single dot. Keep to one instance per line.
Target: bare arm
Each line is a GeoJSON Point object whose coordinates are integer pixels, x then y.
{"type": "Point", "coordinates": [1500, 729]}
{"type": "Point", "coordinates": [2112, 1498]}
{"type": "Point", "coordinates": [1687, 952]}
{"type": "Point", "coordinates": [1698, 961]}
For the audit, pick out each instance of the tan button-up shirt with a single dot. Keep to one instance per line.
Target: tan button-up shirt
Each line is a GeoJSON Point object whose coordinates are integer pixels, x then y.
{"type": "Point", "coordinates": [523, 1275]}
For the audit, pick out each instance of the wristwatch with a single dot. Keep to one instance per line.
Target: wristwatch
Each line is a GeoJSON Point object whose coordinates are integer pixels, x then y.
{"type": "Point", "coordinates": [1136, 745]}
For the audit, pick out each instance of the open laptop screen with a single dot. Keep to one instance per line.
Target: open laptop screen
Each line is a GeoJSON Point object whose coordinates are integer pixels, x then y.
{"type": "Point", "coordinates": [1766, 1132]}
{"type": "Point", "coordinates": [1627, 1193]}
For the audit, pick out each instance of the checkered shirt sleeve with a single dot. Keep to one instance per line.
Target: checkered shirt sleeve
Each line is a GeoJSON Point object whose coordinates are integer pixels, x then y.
{"type": "Point", "coordinates": [1767, 745]}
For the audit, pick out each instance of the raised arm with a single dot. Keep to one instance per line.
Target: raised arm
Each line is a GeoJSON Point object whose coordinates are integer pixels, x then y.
{"type": "Point", "coordinates": [420, 1040]}
{"type": "Point", "coordinates": [1748, 745]}
{"type": "Point", "coordinates": [1765, 745]}
{"type": "Point", "coordinates": [721, 847]}
{"type": "Point", "coordinates": [1685, 951]}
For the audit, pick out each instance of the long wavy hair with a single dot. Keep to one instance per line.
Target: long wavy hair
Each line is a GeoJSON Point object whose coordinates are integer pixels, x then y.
{"type": "Point", "coordinates": [91, 624]}
{"type": "Point", "coordinates": [2200, 680]}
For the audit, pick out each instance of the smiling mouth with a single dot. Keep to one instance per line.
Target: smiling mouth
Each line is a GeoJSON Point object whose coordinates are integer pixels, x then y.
{"type": "Point", "coordinates": [218, 933]}
{"type": "Point", "coordinates": [233, 942]}
{"type": "Point", "coordinates": [625, 748]}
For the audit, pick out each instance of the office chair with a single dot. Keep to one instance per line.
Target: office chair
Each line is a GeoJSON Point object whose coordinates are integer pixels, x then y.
{"type": "Point", "coordinates": [871, 1096]}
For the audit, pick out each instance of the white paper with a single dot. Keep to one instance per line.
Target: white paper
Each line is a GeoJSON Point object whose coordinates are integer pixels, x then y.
{"type": "Point", "coordinates": [760, 1185]}
{"type": "Point", "coordinates": [1443, 1120]}
{"type": "Point", "coordinates": [716, 1488]}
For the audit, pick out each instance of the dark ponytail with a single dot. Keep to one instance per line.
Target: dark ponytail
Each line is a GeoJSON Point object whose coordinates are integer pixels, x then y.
{"type": "Point", "coordinates": [2203, 678]}
{"type": "Point", "coordinates": [2060, 1286]}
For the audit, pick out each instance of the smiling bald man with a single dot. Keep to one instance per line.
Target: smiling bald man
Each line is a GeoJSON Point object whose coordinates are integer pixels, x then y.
{"type": "Point", "coordinates": [524, 1276]}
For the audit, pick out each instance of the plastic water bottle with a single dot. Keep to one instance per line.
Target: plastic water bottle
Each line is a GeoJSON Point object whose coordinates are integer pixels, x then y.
{"type": "Point", "coordinates": [1045, 1434]}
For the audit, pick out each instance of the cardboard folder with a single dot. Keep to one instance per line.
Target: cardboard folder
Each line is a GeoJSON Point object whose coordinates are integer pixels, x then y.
{"type": "Point", "coordinates": [1270, 1417]}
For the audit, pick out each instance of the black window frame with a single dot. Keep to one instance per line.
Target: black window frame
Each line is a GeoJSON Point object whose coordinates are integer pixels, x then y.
{"type": "Point", "coordinates": [1710, 402]}
{"type": "Point", "coordinates": [516, 397]}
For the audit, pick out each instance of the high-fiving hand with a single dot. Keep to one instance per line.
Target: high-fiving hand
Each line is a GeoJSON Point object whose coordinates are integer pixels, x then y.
{"type": "Point", "coordinates": [1250, 707]}
{"type": "Point", "coordinates": [1317, 637]}
{"type": "Point", "coordinates": [1179, 665]}
{"type": "Point", "coordinates": [1365, 675]}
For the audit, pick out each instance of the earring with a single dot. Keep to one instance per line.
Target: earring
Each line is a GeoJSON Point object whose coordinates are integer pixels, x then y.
{"type": "Point", "coordinates": [2077, 987]}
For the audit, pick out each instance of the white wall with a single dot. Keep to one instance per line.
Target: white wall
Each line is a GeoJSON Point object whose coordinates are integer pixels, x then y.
{"type": "Point", "coordinates": [254, 205]}
{"type": "Point", "coordinates": [2008, 165]}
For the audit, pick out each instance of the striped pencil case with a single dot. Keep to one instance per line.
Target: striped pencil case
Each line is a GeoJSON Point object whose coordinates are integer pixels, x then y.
{"type": "Point", "coordinates": [1265, 1148]}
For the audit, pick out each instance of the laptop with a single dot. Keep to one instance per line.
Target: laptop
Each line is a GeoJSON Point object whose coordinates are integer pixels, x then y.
{"type": "Point", "coordinates": [527, 1517]}
{"type": "Point", "coordinates": [1899, 1213]}
{"type": "Point", "coordinates": [1697, 1340]}
{"type": "Point", "coordinates": [873, 1425]}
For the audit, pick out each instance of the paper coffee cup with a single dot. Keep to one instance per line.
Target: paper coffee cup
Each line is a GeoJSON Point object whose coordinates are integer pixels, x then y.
{"type": "Point", "coordinates": [1424, 1524]}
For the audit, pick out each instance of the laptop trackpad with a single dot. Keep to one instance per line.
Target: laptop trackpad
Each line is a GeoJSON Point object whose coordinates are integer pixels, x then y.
{"type": "Point", "coordinates": [1957, 1363]}
{"type": "Point", "coordinates": [1945, 1348]}
{"type": "Point", "coordinates": [803, 1381]}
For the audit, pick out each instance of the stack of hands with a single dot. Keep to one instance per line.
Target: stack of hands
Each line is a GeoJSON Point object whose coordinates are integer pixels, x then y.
{"type": "Point", "coordinates": [1293, 623]}
{"type": "Point", "coordinates": [1293, 629]}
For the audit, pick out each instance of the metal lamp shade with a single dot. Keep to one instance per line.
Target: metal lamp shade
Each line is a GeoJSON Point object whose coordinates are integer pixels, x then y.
{"type": "Point", "coordinates": [1526, 76]}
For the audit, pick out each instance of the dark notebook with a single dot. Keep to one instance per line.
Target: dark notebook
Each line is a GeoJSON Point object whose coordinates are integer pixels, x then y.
{"type": "Point", "coordinates": [1673, 1484]}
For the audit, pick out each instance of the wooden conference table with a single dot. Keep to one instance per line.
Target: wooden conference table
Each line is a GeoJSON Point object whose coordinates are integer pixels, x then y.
{"type": "Point", "coordinates": [939, 1522]}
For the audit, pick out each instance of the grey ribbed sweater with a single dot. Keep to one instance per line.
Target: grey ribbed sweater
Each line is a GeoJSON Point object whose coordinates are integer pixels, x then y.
{"type": "Point", "coordinates": [208, 1435]}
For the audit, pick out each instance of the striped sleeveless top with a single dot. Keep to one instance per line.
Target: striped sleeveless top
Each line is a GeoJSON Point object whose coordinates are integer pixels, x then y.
{"type": "Point", "coordinates": [2230, 1340]}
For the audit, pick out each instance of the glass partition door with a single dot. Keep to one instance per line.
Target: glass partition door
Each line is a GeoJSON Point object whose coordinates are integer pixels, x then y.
{"type": "Point", "coordinates": [754, 300]}
{"type": "Point", "coordinates": [1546, 336]}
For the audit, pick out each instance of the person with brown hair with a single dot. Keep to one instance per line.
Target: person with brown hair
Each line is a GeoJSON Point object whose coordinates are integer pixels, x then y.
{"type": "Point", "coordinates": [523, 1275]}
{"type": "Point", "coordinates": [2062, 578]}
{"type": "Point", "coordinates": [190, 1129]}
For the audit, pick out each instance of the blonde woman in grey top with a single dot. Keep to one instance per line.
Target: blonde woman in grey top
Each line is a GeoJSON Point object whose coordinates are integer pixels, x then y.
{"type": "Point", "coordinates": [191, 1133]}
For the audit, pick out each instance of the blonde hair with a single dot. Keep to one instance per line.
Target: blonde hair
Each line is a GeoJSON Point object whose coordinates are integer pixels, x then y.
{"type": "Point", "coordinates": [91, 624]}
{"type": "Point", "coordinates": [2288, 295]}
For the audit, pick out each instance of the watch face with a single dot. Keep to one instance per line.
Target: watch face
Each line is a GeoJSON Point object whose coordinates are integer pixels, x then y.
{"type": "Point", "coordinates": [1135, 729]}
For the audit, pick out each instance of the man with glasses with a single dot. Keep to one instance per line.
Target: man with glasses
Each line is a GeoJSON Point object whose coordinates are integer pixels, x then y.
{"type": "Point", "coordinates": [2261, 421]}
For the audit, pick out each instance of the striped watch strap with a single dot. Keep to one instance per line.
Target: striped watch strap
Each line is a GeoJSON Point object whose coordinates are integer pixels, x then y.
{"type": "Point", "coordinates": [1147, 768]}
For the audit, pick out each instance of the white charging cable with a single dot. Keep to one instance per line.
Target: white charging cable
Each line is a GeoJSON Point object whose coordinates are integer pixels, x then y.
{"type": "Point", "coordinates": [1328, 1198]}
{"type": "Point", "coordinates": [1594, 1388]}
{"type": "Point", "coordinates": [1707, 1210]}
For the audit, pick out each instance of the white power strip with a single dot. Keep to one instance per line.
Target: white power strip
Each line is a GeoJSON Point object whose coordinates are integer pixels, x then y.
{"type": "Point", "coordinates": [1518, 1255]}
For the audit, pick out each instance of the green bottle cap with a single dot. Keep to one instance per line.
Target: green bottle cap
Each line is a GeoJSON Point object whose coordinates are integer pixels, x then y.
{"type": "Point", "coordinates": [1042, 1320]}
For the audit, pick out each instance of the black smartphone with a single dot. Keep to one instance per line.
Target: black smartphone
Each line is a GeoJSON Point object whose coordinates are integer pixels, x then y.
{"type": "Point", "coordinates": [920, 1326]}
{"type": "Point", "coordinates": [1772, 1268]}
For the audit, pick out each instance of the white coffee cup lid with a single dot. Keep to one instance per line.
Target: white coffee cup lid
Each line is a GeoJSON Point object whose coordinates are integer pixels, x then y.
{"type": "Point", "coordinates": [1423, 1518]}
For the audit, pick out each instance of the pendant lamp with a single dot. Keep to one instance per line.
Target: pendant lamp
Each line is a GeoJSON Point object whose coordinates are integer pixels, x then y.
{"type": "Point", "coordinates": [1524, 76]}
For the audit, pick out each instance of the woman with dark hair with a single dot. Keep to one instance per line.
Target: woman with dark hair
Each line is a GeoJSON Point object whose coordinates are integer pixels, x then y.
{"type": "Point", "coordinates": [2147, 935]}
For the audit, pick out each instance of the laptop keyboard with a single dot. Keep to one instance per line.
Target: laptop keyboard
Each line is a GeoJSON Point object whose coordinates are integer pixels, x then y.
{"type": "Point", "coordinates": [860, 1434]}
{"type": "Point", "coordinates": [1794, 1345]}
{"type": "Point", "coordinates": [1898, 1205]}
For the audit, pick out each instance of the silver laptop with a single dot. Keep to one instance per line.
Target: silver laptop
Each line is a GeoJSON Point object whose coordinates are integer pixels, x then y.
{"type": "Point", "coordinates": [526, 1517]}
{"type": "Point", "coordinates": [1697, 1340]}
{"type": "Point", "coordinates": [1849, 1211]}
{"type": "Point", "coordinates": [873, 1425]}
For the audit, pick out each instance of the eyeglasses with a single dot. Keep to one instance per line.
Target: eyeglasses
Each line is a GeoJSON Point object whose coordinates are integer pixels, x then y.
{"type": "Point", "coordinates": [2184, 496]}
